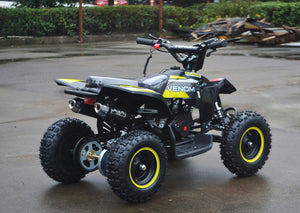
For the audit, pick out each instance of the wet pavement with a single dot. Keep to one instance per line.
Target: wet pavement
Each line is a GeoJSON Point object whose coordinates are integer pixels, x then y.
{"type": "Point", "coordinates": [267, 79]}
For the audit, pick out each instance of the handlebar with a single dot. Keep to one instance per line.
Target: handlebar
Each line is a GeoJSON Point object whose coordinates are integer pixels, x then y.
{"type": "Point", "coordinates": [217, 44]}
{"type": "Point", "coordinates": [208, 44]}
{"type": "Point", "coordinates": [146, 41]}
{"type": "Point", "coordinates": [191, 53]}
{"type": "Point", "coordinates": [168, 46]}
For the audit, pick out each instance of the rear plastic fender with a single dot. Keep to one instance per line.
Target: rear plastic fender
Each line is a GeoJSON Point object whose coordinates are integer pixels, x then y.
{"type": "Point", "coordinates": [71, 83]}
{"type": "Point", "coordinates": [134, 97]}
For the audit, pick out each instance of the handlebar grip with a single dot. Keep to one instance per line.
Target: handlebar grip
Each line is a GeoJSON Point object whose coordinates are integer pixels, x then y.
{"type": "Point", "coordinates": [217, 44]}
{"type": "Point", "coordinates": [145, 41]}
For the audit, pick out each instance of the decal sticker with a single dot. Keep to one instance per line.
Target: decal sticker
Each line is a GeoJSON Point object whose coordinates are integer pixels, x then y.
{"type": "Point", "coordinates": [70, 81]}
{"type": "Point", "coordinates": [180, 88]}
{"type": "Point", "coordinates": [172, 94]}
{"type": "Point", "coordinates": [136, 89]}
{"type": "Point", "coordinates": [176, 77]}
{"type": "Point", "coordinates": [192, 74]}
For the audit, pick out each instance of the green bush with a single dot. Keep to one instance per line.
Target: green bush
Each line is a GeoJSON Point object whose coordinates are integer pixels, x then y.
{"type": "Point", "coordinates": [44, 3]}
{"type": "Point", "coordinates": [210, 12]}
{"type": "Point", "coordinates": [278, 13]}
{"type": "Point", "coordinates": [38, 22]}
{"type": "Point", "coordinates": [138, 19]}
{"type": "Point", "coordinates": [64, 21]}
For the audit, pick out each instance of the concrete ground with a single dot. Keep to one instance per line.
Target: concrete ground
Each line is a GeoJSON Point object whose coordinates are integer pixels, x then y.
{"type": "Point", "coordinates": [267, 79]}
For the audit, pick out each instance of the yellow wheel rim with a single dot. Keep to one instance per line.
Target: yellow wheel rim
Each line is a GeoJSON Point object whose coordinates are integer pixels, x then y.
{"type": "Point", "coordinates": [252, 144]}
{"type": "Point", "coordinates": [144, 167]}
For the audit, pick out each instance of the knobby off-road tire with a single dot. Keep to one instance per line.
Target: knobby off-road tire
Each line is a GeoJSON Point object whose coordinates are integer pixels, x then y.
{"type": "Point", "coordinates": [246, 145]}
{"type": "Point", "coordinates": [137, 165]}
{"type": "Point", "coordinates": [56, 150]}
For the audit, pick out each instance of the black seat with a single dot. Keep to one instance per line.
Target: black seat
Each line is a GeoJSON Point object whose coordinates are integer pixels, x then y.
{"type": "Point", "coordinates": [154, 82]}
{"type": "Point", "coordinates": [97, 80]}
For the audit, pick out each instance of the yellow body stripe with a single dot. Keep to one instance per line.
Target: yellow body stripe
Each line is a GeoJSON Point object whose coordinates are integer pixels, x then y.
{"type": "Point", "coordinates": [192, 74]}
{"type": "Point", "coordinates": [70, 81]}
{"type": "Point", "coordinates": [135, 88]}
{"type": "Point", "coordinates": [176, 77]}
{"type": "Point", "coordinates": [172, 94]}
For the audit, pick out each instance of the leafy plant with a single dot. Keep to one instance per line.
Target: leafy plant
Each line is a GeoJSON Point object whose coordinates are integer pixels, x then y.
{"type": "Point", "coordinates": [278, 13]}
{"type": "Point", "coordinates": [143, 19]}
{"type": "Point", "coordinates": [44, 3]}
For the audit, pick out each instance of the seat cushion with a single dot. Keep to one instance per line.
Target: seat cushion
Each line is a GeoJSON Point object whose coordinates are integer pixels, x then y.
{"type": "Point", "coordinates": [155, 82]}
{"type": "Point", "coordinates": [98, 81]}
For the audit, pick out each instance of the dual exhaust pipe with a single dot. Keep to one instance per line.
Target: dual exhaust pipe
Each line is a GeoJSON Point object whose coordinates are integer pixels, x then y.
{"type": "Point", "coordinates": [77, 105]}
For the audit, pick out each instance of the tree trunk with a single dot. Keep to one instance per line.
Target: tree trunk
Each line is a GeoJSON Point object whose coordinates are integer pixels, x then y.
{"type": "Point", "coordinates": [110, 2]}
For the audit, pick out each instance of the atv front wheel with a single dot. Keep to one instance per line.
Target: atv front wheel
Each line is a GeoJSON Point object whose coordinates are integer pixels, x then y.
{"type": "Point", "coordinates": [136, 167]}
{"type": "Point", "coordinates": [246, 144]}
{"type": "Point", "coordinates": [57, 150]}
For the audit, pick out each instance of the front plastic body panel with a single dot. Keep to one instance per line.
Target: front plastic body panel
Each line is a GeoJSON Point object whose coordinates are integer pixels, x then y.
{"type": "Point", "coordinates": [210, 95]}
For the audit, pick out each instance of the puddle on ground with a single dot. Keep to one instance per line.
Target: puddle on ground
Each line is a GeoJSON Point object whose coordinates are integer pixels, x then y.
{"type": "Point", "coordinates": [72, 54]}
{"type": "Point", "coordinates": [105, 49]}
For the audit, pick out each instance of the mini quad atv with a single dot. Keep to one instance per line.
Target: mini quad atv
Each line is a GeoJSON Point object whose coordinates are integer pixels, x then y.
{"type": "Point", "coordinates": [143, 123]}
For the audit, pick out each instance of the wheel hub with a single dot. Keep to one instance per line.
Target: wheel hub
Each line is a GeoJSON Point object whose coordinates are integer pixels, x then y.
{"type": "Point", "coordinates": [87, 152]}
{"type": "Point", "coordinates": [142, 167]}
{"type": "Point", "coordinates": [92, 155]}
{"type": "Point", "coordinates": [250, 144]}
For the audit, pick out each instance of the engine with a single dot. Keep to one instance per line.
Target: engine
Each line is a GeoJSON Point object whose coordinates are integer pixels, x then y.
{"type": "Point", "coordinates": [182, 123]}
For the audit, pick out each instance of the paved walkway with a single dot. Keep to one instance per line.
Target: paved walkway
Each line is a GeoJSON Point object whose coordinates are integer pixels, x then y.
{"type": "Point", "coordinates": [30, 102]}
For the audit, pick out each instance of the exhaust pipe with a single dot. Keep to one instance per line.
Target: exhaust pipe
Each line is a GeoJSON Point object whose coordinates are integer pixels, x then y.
{"type": "Point", "coordinates": [76, 105]}
{"type": "Point", "coordinates": [101, 109]}
{"type": "Point", "coordinates": [104, 110]}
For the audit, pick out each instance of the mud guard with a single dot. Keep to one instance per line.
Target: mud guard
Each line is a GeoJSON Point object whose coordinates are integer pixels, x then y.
{"type": "Point", "coordinates": [128, 96]}
{"type": "Point", "coordinates": [72, 83]}
{"type": "Point", "coordinates": [223, 85]}
{"type": "Point", "coordinates": [133, 97]}
{"type": "Point", "coordinates": [210, 95]}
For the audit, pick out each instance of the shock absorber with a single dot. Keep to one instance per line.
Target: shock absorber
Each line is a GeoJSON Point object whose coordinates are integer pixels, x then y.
{"type": "Point", "coordinates": [220, 113]}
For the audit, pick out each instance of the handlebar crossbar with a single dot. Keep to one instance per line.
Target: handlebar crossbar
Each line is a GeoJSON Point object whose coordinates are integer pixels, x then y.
{"type": "Point", "coordinates": [195, 52]}
{"type": "Point", "coordinates": [208, 44]}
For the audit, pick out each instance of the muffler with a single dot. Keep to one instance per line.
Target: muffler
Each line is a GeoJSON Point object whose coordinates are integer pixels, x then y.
{"type": "Point", "coordinates": [101, 109]}
{"type": "Point", "coordinates": [76, 105]}
{"type": "Point", "coordinates": [104, 110]}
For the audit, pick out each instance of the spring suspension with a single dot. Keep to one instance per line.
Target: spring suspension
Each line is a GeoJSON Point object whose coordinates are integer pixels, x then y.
{"type": "Point", "coordinates": [220, 114]}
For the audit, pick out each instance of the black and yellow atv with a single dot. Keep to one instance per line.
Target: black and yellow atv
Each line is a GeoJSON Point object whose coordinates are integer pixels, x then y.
{"type": "Point", "coordinates": [143, 123]}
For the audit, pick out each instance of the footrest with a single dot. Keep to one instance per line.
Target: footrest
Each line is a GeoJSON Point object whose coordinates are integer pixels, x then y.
{"type": "Point", "coordinates": [200, 144]}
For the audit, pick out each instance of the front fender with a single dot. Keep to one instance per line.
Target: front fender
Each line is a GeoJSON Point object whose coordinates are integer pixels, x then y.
{"type": "Point", "coordinates": [222, 85]}
{"type": "Point", "coordinates": [210, 95]}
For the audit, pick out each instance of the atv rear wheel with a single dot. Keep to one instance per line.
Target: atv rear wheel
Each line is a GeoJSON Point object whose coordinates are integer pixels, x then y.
{"type": "Point", "coordinates": [246, 145]}
{"type": "Point", "coordinates": [136, 167]}
{"type": "Point", "coordinates": [57, 147]}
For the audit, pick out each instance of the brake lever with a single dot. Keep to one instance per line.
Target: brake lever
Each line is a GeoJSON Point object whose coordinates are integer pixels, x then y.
{"type": "Point", "coordinates": [153, 37]}
{"type": "Point", "coordinates": [233, 40]}
{"type": "Point", "coordinates": [209, 53]}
